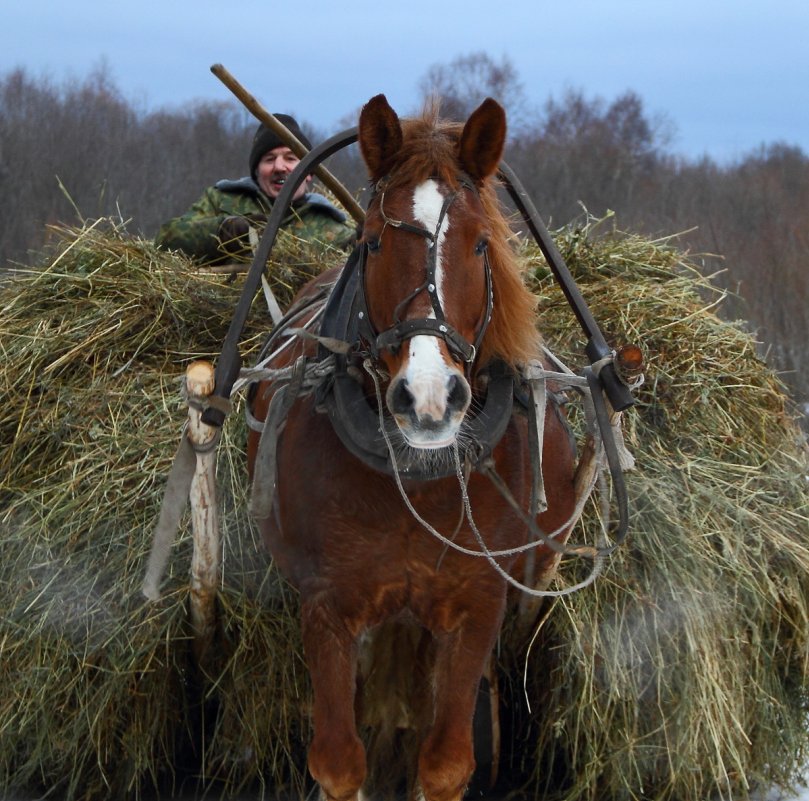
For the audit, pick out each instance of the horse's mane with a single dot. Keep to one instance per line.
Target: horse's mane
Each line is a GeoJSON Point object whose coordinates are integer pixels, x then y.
{"type": "Point", "coordinates": [430, 149]}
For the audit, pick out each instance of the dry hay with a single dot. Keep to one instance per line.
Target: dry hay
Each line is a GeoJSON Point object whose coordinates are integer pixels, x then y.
{"type": "Point", "coordinates": [680, 674]}
{"type": "Point", "coordinates": [100, 696]}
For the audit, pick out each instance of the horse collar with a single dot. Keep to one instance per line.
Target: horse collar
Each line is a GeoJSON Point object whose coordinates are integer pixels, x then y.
{"type": "Point", "coordinates": [354, 415]}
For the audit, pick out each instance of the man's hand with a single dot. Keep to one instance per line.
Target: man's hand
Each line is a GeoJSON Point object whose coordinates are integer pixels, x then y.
{"type": "Point", "coordinates": [233, 232]}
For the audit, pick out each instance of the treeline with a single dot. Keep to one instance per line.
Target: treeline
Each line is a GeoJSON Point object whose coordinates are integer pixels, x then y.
{"type": "Point", "coordinates": [79, 149]}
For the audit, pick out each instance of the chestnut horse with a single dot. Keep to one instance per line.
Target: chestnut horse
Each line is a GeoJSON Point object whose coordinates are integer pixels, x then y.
{"type": "Point", "coordinates": [437, 314]}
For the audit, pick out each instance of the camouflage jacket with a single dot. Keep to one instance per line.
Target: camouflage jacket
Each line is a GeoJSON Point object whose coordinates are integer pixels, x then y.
{"type": "Point", "coordinates": [313, 219]}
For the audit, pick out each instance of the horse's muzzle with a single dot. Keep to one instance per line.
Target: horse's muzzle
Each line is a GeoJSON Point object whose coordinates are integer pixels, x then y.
{"type": "Point", "coordinates": [429, 412]}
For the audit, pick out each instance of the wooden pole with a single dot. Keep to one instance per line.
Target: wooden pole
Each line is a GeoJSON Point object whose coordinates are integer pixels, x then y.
{"type": "Point", "coordinates": [297, 147]}
{"type": "Point", "coordinates": [205, 567]}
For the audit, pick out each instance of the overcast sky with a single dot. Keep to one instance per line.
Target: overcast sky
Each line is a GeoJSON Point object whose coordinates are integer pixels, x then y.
{"type": "Point", "coordinates": [729, 75]}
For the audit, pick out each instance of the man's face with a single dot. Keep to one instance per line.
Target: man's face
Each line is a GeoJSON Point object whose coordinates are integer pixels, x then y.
{"type": "Point", "coordinates": [274, 168]}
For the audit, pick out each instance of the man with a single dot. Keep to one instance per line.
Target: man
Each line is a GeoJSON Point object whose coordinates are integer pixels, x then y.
{"type": "Point", "coordinates": [216, 228]}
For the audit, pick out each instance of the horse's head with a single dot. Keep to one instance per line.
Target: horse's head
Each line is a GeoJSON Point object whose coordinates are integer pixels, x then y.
{"type": "Point", "coordinates": [427, 276]}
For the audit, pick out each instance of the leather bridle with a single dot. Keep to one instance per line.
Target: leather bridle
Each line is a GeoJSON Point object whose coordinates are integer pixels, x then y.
{"type": "Point", "coordinates": [393, 338]}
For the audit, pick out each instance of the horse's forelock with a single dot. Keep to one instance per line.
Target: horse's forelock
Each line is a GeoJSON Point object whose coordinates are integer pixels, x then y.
{"type": "Point", "coordinates": [429, 150]}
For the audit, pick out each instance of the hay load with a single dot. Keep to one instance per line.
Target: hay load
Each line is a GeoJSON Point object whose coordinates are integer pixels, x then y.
{"type": "Point", "coordinates": [101, 696]}
{"type": "Point", "coordinates": [683, 675]}
{"type": "Point", "coordinates": [680, 674]}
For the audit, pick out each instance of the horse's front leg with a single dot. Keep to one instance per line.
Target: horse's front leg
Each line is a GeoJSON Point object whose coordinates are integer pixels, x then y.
{"type": "Point", "coordinates": [446, 757]}
{"type": "Point", "coordinates": [336, 755]}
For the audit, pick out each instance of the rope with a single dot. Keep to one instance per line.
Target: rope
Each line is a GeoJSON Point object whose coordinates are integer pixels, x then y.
{"type": "Point", "coordinates": [595, 554]}
{"type": "Point", "coordinates": [304, 376]}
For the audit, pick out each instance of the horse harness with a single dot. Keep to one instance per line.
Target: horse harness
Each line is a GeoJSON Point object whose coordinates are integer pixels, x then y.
{"type": "Point", "coordinates": [335, 380]}
{"type": "Point", "coordinates": [347, 338]}
{"type": "Point", "coordinates": [437, 326]}
{"type": "Point", "coordinates": [345, 355]}
{"type": "Point", "coordinates": [349, 344]}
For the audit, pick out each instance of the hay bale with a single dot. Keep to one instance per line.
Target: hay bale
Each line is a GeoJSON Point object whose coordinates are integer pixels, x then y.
{"type": "Point", "coordinates": [680, 674]}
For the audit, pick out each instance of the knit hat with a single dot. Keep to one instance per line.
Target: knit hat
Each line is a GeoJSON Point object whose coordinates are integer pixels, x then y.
{"type": "Point", "coordinates": [266, 139]}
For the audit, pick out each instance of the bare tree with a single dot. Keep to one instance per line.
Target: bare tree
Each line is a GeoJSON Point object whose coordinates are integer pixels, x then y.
{"type": "Point", "coordinates": [586, 152]}
{"type": "Point", "coordinates": [463, 84]}
{"type": "Point", "coordinates": [80, 148]}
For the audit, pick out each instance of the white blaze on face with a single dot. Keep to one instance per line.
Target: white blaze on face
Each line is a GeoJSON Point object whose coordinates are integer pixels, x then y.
{"type": "Point", "coordinates": [427, 373]}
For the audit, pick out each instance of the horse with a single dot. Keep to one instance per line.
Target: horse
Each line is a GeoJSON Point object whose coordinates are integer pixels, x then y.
{"type": "Point", "coordinates": [379, 497]}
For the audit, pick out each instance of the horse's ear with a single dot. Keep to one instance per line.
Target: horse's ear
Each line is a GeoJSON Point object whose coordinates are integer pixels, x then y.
{"type": "Point", "coordinates": [380, 136]}
{"type": "Point", "coordinates": [482, 140]}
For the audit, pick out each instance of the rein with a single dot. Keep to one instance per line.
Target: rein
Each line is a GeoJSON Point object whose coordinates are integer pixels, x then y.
{"type": "Point", "coordinates": [598, 554]}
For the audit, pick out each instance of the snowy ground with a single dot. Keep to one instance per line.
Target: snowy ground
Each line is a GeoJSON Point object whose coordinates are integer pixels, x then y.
{"type": "Point", "coordinates": [778, 795]}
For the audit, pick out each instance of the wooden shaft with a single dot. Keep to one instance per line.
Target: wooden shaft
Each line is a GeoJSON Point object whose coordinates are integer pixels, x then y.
{"type": "Point", "coordinates": [205, 564]}
{"type": "Point", "coordinates": [295, 145]}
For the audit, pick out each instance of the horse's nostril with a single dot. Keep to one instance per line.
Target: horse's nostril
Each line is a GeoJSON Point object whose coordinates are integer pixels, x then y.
{"type": "Point", "coordinates": [458, 393]}
{"type": "Point", "coordinates": [401, 398]}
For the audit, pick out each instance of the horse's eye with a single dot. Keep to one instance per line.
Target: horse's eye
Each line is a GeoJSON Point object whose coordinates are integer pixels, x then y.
{"type": "Point", "coordinates": [373, 244]}
{"type": "Point", "coordinates": [481, 246]}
